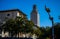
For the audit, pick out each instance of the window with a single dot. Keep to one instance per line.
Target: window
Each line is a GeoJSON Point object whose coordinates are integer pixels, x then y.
{"type": "Point", "coordinates": [8, 14]}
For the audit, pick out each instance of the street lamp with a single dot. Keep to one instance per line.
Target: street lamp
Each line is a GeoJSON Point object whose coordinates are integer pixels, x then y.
{"type": "Point", "coordinates": [51, 18]}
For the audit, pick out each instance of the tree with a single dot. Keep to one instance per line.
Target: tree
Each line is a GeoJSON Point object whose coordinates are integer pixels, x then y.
{"type": "Point", "coordinates": [57, 30]}
{"type": "Point", "coordinates": [45, 33]}
{"type": "Point", "coordinates": [29, 26]}
{"type": "Point", "coordinates": [8, 26]}
{"type": "Point", "coordinates": [13, 26]}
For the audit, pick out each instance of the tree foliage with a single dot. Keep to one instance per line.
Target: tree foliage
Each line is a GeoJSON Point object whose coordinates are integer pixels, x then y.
{"type": "Point", "coordinates": [15, 26]}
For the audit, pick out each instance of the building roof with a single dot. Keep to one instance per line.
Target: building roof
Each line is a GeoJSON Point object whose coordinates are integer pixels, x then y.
{"type": "Point", "coordinates": [13, 10]}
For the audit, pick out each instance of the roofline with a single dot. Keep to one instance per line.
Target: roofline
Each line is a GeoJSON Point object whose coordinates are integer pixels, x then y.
{"type": "Point", "coordinates": [13, 10]}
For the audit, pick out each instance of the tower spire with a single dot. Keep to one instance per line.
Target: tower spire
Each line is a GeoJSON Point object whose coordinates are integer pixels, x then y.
{"type": "Point", "coordinates": [34, 7]}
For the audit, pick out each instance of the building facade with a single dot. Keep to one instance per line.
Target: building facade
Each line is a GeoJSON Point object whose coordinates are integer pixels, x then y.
{"type": "Point", "coordinates": [35, 16]}
{"type": "Point", "coordinates": [9, 14]}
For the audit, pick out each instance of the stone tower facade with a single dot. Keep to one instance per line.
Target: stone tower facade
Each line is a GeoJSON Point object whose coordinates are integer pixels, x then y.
{"type": "Point", "coordinates": [35, 16]}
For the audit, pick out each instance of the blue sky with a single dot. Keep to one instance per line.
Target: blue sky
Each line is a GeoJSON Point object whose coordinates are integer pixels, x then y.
{"type": "Point", "coordinates": [26, 7]}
